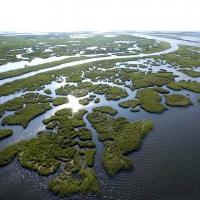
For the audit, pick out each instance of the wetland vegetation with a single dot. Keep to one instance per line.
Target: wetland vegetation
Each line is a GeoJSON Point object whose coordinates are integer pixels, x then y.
{"type": "Point", "coordinates": [177, 100]}
{"type": "Point", "coordinates": [4, 133]}
{"type": "Point", "coordinates": [118, 136]}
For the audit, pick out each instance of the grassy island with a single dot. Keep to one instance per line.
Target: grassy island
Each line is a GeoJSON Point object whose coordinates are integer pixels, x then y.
{"type": "Point", "coordinates": [177, 100]}
{"type": "Point", "coordinates": [191, 73]}
{"type": "Point", "coordinates": [25, 115]}
{"type": "Point", "coordinates": [150, 100]}
{"type": "Point", "coordinates": [4, 133]}
{"type": "Point", "coordinates": [106, 109]}
{"type": "Point", "coordinates": [47, 151]}
{"type": "Point", "coordinates": [47, 91]}
{"type": "Point", "coordinates": [60, 100]}
{"type": "Point", "coordinates": [129, 103]}
{"type": "Point", "coordinates": [174, 86]}
{"type": "Point", "coordinates": [119, 137]}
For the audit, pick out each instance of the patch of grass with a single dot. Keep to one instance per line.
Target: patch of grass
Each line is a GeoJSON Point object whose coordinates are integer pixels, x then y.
{"type": "Point", "coordinates": [84, 134]}
{"type": "Point", "coordinates": [119, 137]}
{"type": "Point", "coordinates": [27, 84]}
{"type": "Point", "coordinates": [18, 72]}
{"type": "Point", "coordinates": [113, 159]}
{"type": "Point", "coordinates": [66, 184]}
{"type": "Point", "coordinates": [85, 101]}
{"type": "Point", "coordinates": [60, 100]}
{"type": "Point", "coordinates": [106, 109]}
{"type": "Point", "coordinates": [193, 86]}
{"type": "Point", "coordinates": [184, 57]}
{"type": "Point", "coordinates": [129, 103]}
{"type": "Point", "coordinates": [89, 157]}
{"type": "Point", "coordinates": [111, 93]}
{"type": "Point", "coordinates": [86, 144]}
{"type": "Point", "coordinates": [191, 73]}
{"type": "Point", "coordinates": [47, 91]}
{"type": "Point", "coordinates": [63, 90]}
{"type": "Point", "coordinates": [25, 115]}
{"type": "Point", "coordinates": [38, 82]}
{"type": "Point", "coordinates": [177, 100]}
{"type": "Point", "coordinates": [66, 120]}
{"type": "Point", "coordinates": [82, 89]}
{"type": "Point", "coordinates": [161, 90]}
{"type": "Point", "coordinates": [18, 102]}
{"type": "Point", "coordinates": [4, 133]}
{"type": "Point", "coordinates": [97, 100]}
{"type": "Point", "coordinates": [9, 153]}
{"type": "Point", "coordinates": [150, 100]}
{"type": "Point", "coordinates": [174, 86]}
{"type": "Point", "coordinates": [142, 79]}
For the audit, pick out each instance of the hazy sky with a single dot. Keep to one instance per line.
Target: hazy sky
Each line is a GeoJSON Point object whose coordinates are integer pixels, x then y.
{"type": "Point", "coordinates": [99, 15]}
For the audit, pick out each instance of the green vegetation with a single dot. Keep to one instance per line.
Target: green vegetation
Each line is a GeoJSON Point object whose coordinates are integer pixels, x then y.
{"type": "Point", "coordinates": [82, 89]}
{"type": "Point", "coordinates": [47, 91]}
{"type": "Point", "coordinates": [129, 103]}
{"type": "Point", "coordinates": [150, 100]}
{"type": "Point", "coordinates": [193, 86]}
{"type": "Point", "coordinates": [174, 86]}
{"type": "Point", "coordinates": [66, 119]}
{"type": "Point", "coordinates": [119, 137]}
{"type": "Point", "coordinates": [4, 133]}
{"type": "Point", "coordinates": [111, 93]}
{"type": "Point", "coordinates": [177, 100]}
{"type": "Point", "coordinates": [97, 100]}
{"type": "Point", "coordinates": [184, 57]}
{"type": "Point", "coordinates": [27, 84]}
{"type": "Point", "coordinates": [84, 134]}
{"type": "Point", "coordinates": [191, 73]}
{"type": "Point", "coordinates": [156, 48]}
{"type": "Point", "coordinates": [85, 101]}
{"type": "Point", "coordinates": [60, 100]}
{"type": "Point", "coordinates": [106, 109]}
{"type": "Point", "coordinates": [9, 153]}
{"type": "Point", "coordinates": [25, 115]}
{"type": "Point", "coordinates": [38, 82]}
{"type": "Point", "coordinates": [114, 160]}
{"type": "Point", "coordinates": [142, 79]}
{"type": "Point", "coordinates": [27, 69]}
{"type": "Point", "coordinates": [161, 90]}
{"type": "Point", "coordinates": [47, 151]}
{"type": "Point", "coordinates": [66, 184]}
{"type": "Point", "coordinates": [90, 157]}
{"type": "Point", "coordinates": [21, 102]}
{"type": "Point", "coordinates": [44, 46]}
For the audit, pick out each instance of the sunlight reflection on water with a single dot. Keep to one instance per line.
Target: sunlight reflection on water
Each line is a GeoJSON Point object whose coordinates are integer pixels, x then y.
{"type": "Point", "coordinates": [74, 104]}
